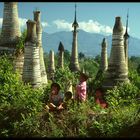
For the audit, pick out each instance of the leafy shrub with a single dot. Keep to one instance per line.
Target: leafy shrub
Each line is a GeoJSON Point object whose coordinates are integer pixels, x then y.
{"type": "Point", "coordinates": [64, 76]}
{"type": "Point", "coordinates": [19, 103]}
{"type": "Point", "coordinates": [20, 44]}
{"type": "Point", "coordinates": [123, 111]}
{"type": "Point", "coordinates": [68, 123]}
{"type": "Point", "coordinates": [115, 120]}
{"type": "Point", "coordinates": [123, 94]}
{"type": "Point", "coordinates": [22, 112]}
{"type": "Point", "coordinates": [134, 78]}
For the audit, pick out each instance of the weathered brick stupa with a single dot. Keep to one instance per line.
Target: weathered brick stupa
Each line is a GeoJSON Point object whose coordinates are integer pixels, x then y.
{"type": "Point", "coordinates": [31, 69]}
{"type": "Point", "coordinates": [10, 32]}
{"type": "Point", "coordinates": [104, 61]}
{"type": "Point", "coordinates": [61, 55]}
{"type": "Point", "coordinates": [10, 36]}
{"type": "Point", "coordinates": [117, 70]}
{"type": "Point", "coordinates": [41, 52]}
{"type": "Point", "coordinates": [74, 63]}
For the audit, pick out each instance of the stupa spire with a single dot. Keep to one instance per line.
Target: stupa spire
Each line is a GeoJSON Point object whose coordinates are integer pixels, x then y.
{"type": "Point", "coordinates": [74, 64]}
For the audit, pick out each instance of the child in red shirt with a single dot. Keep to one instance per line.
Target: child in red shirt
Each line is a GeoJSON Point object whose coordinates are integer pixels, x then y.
{"type": "Point", "coordinates": [99, 98]}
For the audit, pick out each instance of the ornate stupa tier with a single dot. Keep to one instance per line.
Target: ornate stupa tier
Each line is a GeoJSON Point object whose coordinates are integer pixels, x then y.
{"type": "Point", "coordinates": [75, 23]}
{"type": "Point", "coordinates": [74, 64]}
{"type": "Point", "coordinates": [10, 25]}
{"type": "Point", "coordinates": [117, 70]}
{"type": "Point", "coordinates": [31, 68]}
{"type": "Point", "coordinates": [37, 15]}
{"type": "Point", "coordinates": [31, 32]}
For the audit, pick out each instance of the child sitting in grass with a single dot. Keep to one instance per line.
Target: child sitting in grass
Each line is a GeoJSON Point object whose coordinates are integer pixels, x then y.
{"type": "Point", "coordinates": [55, 98]}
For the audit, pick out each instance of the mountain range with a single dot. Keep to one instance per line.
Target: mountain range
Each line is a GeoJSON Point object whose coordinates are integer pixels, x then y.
{"type": "Point", "coordinates": [88, 43]}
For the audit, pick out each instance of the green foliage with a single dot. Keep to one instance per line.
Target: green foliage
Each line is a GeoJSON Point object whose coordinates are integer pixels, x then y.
{"type": "Point", "coordinates": [22, 112]}
{"type": "Point", "coordinates": [123, 94]}
{"type": "Point", "coordinates": [64, 76]}
{"type": "Point", "coordinates": [90, 66]}
{"type": "Point", "coordinates": [81, 55]}
{"type": "Point", "coordinates": [98, 59]}
{"type": "Point", "coordinates": [21, 41]}
{"type": "Point", "coordinates": [115, 120]}
{"type": "Point", "coordinates": [19, 103]}
{"type": "Point", "coordinates": [66, 57]}
{"type": "Point", "coordinates": [134, 78]}
{"type": "Point", "coordinates": [6, 69]}
{"type": "Point", "coordinates": [46, 92]}
{"type": "Point", "coordinates": [138, 69]}
{"type": "Point", "coordinates": [97, 82]}
{"type": "Point", "coordinates": [123, 111]}
{"type": "Point", "coordinates": [70, 123]}
{"type": "Point", "coordinates": [133, 62]}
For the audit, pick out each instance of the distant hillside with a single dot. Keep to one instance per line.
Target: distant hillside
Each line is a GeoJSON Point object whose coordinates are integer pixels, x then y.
{"type": "Point", "coordinates": [88, 43]}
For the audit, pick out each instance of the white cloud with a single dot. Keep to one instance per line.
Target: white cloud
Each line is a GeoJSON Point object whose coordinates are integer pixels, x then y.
{"type": "Point", "coordinates": [124, 29]}
{"type": "Point", "coordinates": [22, 22]}
{"type": "Point", "coordinates": [89, 26]}
{"type": "Point", "coordinates": [44, 24]}
{"type": "Point", "coordinates": [62, 24]}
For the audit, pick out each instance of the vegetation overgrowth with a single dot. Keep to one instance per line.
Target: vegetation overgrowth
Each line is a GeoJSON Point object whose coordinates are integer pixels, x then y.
{"type": "Point", "coordinates": [23, 114]}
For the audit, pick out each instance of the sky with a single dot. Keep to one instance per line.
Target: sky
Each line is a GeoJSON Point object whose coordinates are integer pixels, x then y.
{"type": "Point", "coordinates": [92, 17]}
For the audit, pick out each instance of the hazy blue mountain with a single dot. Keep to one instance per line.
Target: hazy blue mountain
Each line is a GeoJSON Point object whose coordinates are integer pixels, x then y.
{"type": "Point", "coordinates": [88, 43]}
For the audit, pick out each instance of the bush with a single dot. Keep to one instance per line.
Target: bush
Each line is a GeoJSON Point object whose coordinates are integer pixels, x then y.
{"type": "Point", "coordinates": [64, 76]}
{"type": "Point", "coordinates": [134, 78]}
{"type": "Point", "coordinates": [68, 123]}
{"type": "Point", "coordinates": [123, 94]}
{"type": "Point", "coordinates": [19, 103]}
{"type": "Point", "coordinates": [20, 44]}
{"type": "Point", "coordinates": [22, 113]}
{"type": "Point", "coordinates": [123, 111]}
{"type": "Point", "coordinates": [116, 119]}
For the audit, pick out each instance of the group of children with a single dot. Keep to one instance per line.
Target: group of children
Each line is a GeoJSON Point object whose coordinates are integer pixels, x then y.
{"type": "Point", "coordinates": [59, 102]}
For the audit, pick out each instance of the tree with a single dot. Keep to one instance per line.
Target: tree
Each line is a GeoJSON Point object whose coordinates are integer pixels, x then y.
{"type": "Point", "coordinates": [138, 69]}
{"type": "Point", "coordinates": [98, 59]}
{"type": "Point", "coordinates": [21, 41]}
{"type": "Point", "coordinates": [133, 62]}
{"type": "Point", "coordinates": [81, 55]}
{"type": "Point", "coordinates": [67, 56]}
